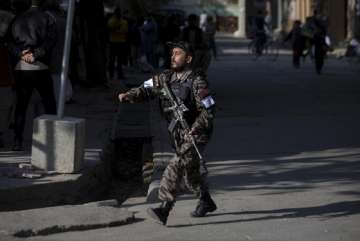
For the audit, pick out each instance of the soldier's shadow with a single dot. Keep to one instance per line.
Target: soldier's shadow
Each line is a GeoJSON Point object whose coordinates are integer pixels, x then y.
{"type": "Point", "coordinates": [332, 210]}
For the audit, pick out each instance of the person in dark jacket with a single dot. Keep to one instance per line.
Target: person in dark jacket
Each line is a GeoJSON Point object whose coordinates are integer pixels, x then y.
{"type": "Point", "coordinates": [194, 36]}
{"type": "Point", "coordinates": [33, 36]}
{"type": "Point", "coordinates": [319, 41]}
{"type": "Point", "coordinates": [298, 42]}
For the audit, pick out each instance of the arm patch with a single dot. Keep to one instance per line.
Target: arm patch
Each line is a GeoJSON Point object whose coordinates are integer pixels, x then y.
{"type": "Point", "coordinates": [208, 102]}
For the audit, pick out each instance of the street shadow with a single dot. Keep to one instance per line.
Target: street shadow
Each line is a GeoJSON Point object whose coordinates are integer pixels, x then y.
{"type": "Point", "coordinates": [278, 134]}
{"type": "Point", "coordinates": [332, 210]}
{"type": "Point", "coordinates": [272, 176]}
{"type": "Point", "coordinates": [75, 228]}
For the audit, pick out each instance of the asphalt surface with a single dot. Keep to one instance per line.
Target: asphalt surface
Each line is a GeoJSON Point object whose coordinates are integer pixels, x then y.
{"type": "Point", "coordinates": [284, 160]}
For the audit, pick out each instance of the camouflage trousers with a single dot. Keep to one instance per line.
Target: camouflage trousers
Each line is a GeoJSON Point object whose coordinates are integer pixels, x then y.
{"type": "Point", "coordinates": [185, 168]}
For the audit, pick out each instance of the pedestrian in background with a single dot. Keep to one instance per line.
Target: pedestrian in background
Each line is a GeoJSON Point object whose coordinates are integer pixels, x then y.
{"type": "Point", "coordinates": [33, 36]}
{"type": "Point", "coordinates": [118, 29]}
{"type": "Point", "coordinates": [209, 33]}
{"type": "Point", "coordinates": [297, 42]}
{"type": "Point", "coordinates": [260, 32]}
{"type": "Point", "coordinates": [268, 23]}
{"type": "Point", "coordinates": [191, 90]}
{"type": "Point", "coordinates": [203, 19]}
{"type": "Point", "coordinates": [194, 36]}
{"type": "Point", "coordinates": [149, 36]}
{"type": "Point", "coordinates": [320, 46]}
{"type": "Point", "coordinates": [134, 41]}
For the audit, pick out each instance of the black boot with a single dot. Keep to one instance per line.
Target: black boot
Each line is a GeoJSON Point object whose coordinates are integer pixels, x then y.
{"type": "Point", "coordinates": [205, 205]}
{"type": "Point", "coordinates": [161, 213]}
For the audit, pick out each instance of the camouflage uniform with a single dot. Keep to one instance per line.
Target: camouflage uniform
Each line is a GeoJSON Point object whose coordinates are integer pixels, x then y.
{"type": "Point", "coordinates": [192, 90]}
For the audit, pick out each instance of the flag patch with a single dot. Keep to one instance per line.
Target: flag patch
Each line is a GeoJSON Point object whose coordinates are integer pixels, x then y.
{"type": "Point", "coordinates": [208, 102]}
{"type": "Point", "coordinates": [149, 83]}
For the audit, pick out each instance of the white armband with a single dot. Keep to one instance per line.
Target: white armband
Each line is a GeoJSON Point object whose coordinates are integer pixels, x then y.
{"type": "Point", "coordinates": [149, 83]}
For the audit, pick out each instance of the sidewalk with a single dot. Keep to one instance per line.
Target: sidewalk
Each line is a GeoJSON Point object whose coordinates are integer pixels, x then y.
{"type": "Point", "coordinates": [23, 198]}
{"type": "Point", "coordinates": [104, 118]}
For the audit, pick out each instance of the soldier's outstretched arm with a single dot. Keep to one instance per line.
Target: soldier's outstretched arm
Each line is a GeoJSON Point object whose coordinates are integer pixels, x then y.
{"type": "Point", "coordinates": [144, 92]}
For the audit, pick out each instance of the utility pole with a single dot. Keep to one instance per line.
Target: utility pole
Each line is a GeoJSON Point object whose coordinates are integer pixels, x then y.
{"type": "Point", "coordinates": [65, 61]}
{"type": "Point", "coordinates": [241, 32]}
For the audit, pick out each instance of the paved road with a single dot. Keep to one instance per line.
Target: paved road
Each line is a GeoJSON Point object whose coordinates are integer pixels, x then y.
{"type": "Point", "coordinates": [284, 159]}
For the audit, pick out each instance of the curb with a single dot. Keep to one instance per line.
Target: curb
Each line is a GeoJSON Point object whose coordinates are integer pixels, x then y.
{"type": "Point", "coordinates": [46, 221]}
{"type": "Point", "coordinates": [48, 190]}
{"type": "Point", "coordinates": [94, 182]}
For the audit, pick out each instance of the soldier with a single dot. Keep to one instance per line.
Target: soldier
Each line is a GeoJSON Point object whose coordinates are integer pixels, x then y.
{"type": "Point", "coordinates": [189, 89]}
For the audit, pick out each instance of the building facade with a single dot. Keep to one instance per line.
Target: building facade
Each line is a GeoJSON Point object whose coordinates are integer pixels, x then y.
{"type": "Point", "coordinates": [342, 15]}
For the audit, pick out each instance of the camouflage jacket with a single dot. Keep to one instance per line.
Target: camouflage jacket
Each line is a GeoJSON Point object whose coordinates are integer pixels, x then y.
{"type": "Point", "coordinates": [192, 89]}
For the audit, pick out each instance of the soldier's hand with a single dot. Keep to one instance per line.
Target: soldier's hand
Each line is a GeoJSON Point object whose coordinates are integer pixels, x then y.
{"type": "Point", "coordinates": [124, 97]}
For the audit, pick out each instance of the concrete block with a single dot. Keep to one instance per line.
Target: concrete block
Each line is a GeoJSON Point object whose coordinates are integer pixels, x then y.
{"type": "Point", "coordinates": [58, 144]}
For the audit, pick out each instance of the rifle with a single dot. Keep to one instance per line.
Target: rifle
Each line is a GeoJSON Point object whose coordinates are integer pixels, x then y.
{"type": "Point", "coordinates": [178, 110]}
